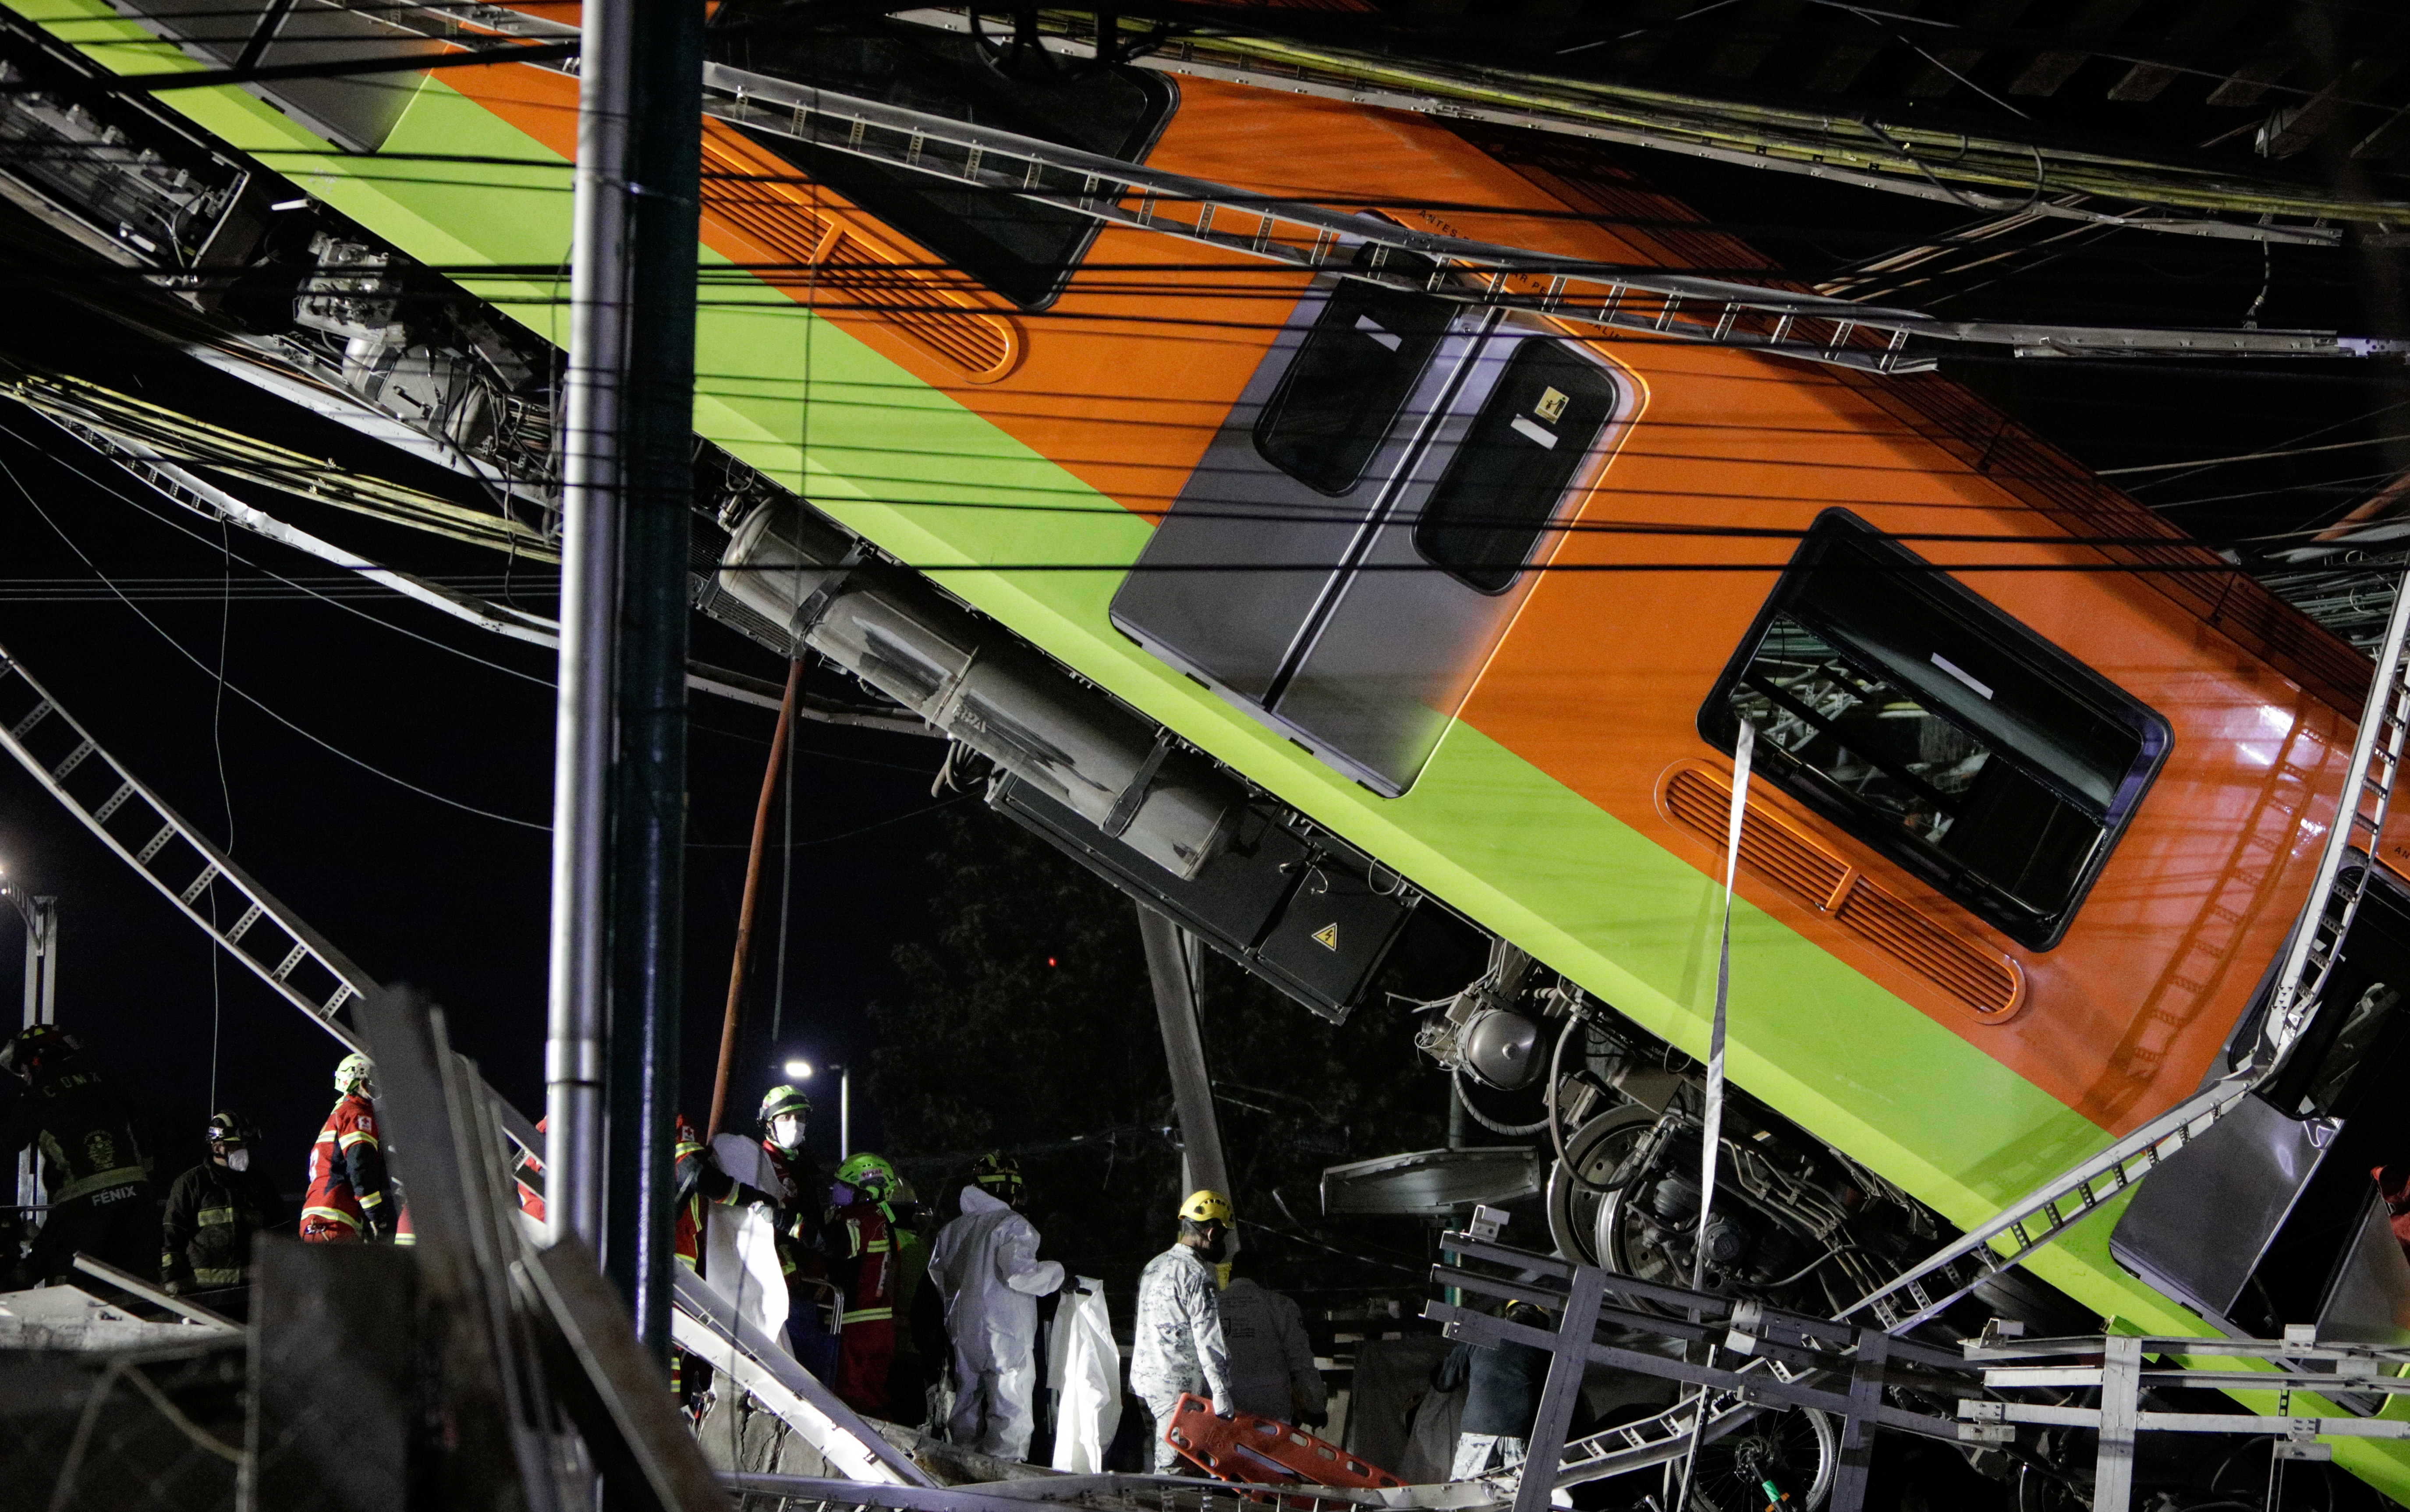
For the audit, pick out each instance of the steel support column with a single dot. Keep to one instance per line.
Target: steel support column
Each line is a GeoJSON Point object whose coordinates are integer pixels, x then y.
{"type": "Point", "coordinates": [577, 1011]}
{"type": "Point", "coordinates": [619, 794]}
{"type": "Point", "coordinates": [648, 792]}
{"type": "Point", "coordinates": [1171, 966]}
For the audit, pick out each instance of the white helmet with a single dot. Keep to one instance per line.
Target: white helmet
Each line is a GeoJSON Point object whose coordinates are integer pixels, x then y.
{"type": "Point", "coordinates": [356, 1073]}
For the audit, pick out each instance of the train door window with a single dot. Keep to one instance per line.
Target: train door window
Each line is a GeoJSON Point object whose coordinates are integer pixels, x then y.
{"type": "Point", "coordinates": [1351, 377]}
{"type": "Point", "coordinates": [1501, 490]}
{"type": "Point", "coordinates": [1935, 727]}
{"type": "Point", "coordinates": [1023, 251]}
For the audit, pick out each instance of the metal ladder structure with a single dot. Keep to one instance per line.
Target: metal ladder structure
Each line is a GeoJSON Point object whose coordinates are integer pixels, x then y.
{"type": "Point", "coordinates": [189, 869]}
{"type": "Point", "coordinates": [187, 866]}
{"type": "Point", "coordinates": [1625, 301]}
{"type": "Point", "coordinates": [302, 967]}
{"type": "Point", "coordinates": [1632, 302]}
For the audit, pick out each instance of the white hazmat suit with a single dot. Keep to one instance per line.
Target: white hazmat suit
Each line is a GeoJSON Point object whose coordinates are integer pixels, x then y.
{"type": "Point", "coordinates": [986, 1269]}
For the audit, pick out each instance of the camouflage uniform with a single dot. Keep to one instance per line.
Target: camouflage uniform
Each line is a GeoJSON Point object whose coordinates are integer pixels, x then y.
{"type": "Point", "coordinates": [1177, 1345]}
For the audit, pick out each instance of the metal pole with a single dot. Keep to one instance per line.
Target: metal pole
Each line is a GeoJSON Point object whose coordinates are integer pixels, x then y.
{"type": "Point", "coordinates": [1172, 968]}
{"type": "Point", "coordinates": [648, 793]}
{"type": "Point", "coordinates": [730, 1020]}
{"type": "Point", "coordinates": [576, 1020]}
{"type": "Point", "coordinates": [844, 1112]}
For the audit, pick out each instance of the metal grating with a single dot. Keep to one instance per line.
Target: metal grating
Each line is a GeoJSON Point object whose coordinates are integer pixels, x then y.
{"type": "Point", "coordinates": [862, 274]}
{"type": "Point", "coordinates": [1989, 984]}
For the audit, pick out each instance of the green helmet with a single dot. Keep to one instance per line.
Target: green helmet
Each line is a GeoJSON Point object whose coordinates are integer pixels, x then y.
{"type": "Point", "coordinates": [868, 1174]}
{"type": "Point", "coordinates": [356, 1073]}
{"type": "Point", "coordinates": [783, 1099]}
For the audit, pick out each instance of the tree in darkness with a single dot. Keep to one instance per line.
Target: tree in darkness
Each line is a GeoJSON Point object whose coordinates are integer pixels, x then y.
{"type": "Point", "coordinates": [1028, 1023]}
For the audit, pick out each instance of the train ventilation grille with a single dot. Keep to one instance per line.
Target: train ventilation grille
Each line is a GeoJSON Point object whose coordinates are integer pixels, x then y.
{"type": "Point", "coordinates": [853, 271]}
{"type": "Point", "coordinates": [1988, 984]}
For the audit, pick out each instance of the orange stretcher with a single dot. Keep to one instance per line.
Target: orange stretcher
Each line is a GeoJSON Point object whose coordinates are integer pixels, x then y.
{"type": "Point", "coordinates": [1264, 1451]}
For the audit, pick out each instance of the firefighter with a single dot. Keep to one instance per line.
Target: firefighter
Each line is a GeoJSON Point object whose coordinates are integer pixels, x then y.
{"type": "Point", "coordinates": [346, 1203]}
{"type": "Point", "coordinates": [213, 1210]}
{"type": "Point", "coordinates": [786, 1116]}
{"type": "Point", "coordinates": [94, 1171]}
{"type": "Point", "coordinates": [867, 1270]}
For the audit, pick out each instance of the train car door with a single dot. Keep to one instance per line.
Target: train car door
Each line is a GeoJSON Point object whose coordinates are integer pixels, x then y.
{"type": "Point", "coordinates": [1481, 508]}
{"type": "Point", "coordinates": [2262, 1221]}
{"type": "Point", "coordinates": [1359, 534]}
{"type": "Point", "coordinates": [1254, 544]}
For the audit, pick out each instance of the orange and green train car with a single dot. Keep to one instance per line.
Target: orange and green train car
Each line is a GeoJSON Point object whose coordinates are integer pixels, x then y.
{"type": "Point", "coordinates": [2038, 787]}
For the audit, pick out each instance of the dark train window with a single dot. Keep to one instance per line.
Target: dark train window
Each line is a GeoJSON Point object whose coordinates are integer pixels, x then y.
{"type": "Point", "coordinates": [1933, 726]}
{"type": "Point", "coordinates": [1501, 488]}
{"type": "Point", "coordinates": [1022, 250]}
{"type": "Point", "coordinates": [1351, 376]}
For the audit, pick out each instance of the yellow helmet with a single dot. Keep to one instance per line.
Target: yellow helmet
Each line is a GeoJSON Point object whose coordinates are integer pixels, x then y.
{"type": "Point", "coordinates": [1208, 1206]}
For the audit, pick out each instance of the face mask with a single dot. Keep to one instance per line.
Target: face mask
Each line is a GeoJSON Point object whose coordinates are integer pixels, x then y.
{"type": "Point", "coordinates": [787, 1133]}
{"type": "Point", "coordinates": [238, 1159]}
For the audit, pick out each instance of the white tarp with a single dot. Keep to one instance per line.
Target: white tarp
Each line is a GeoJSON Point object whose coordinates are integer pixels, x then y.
{"type": "Point", "coordinates": [740, 1261]}
{"type": "Point", "coordinates": [1084, 1368]}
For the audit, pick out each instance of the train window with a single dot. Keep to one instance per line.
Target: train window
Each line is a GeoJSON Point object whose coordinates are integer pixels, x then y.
{"type": "Point", "coordinates": [1350, 378]}
{"type": "Point", "coordinates": [1935, 727]}
{"type": "Point", "coordinates": [1022, 250]}
{"type": "Point", "coordinates": [1502, 488]}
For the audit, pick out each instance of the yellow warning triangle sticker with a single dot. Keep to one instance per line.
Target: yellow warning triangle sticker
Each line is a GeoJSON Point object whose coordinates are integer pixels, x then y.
{"type": "Point", "coordinates": [1327, 937]}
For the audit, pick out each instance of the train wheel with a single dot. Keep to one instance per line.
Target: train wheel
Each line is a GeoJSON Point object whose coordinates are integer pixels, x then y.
{"type": "Point", "coordinates": [1595, 1150]}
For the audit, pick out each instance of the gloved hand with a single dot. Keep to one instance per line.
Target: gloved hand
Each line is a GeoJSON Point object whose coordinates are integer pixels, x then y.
{"type": "Point", "coordinates": [1224, 1409]}
{"type": "Point", "coordinates": [175, 1287]}
{"type": "Point", "coordinates": [1314, 1419]}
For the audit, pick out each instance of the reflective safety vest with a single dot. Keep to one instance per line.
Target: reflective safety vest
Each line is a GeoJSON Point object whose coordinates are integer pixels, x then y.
{"type": "Point", "coordinates": [870, 1259]}
{"type": "Point", "coordinates": [347, 1168]}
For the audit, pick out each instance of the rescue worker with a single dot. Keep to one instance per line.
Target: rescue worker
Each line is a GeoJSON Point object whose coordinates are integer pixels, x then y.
{"type": "Point", "coordinates": [1502, 1398]}
{"type": "Point", "coordinates": [986, 1269]}
{"type": "Point", "coordinates": [866, 1269]}
{"type": "Point", "coordinates": [786, 1116]}
{"type": "Point", "coordinates": [1177, 1345]}
{"type": "Point", "coordinates": [803, 1249]}
{"type": "Point", "coordinates": [94, 1174]}
{"type": "Point", "coordinates": [213, 1211]}
{"type": "Point", "coordinates": [1272, 1361]}
{"type": "Point", "coordinates": [346, 1201]}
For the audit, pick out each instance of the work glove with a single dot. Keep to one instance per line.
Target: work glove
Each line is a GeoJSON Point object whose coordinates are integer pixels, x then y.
{"type": "Point", "coordinates": [1314, 1419]}
{"type": "Point", "coordinates": [174, 1288]}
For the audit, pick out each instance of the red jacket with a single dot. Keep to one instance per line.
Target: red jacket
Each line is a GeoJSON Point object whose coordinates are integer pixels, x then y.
{"type": "Point", "coordinates": [867, 1268]}
{"type": "Point", "coordinates": [348, 1168]}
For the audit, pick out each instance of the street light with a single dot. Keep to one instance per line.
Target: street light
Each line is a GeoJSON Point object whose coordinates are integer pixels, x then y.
{"type": "Point", "coordinates": [799, 1070]}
